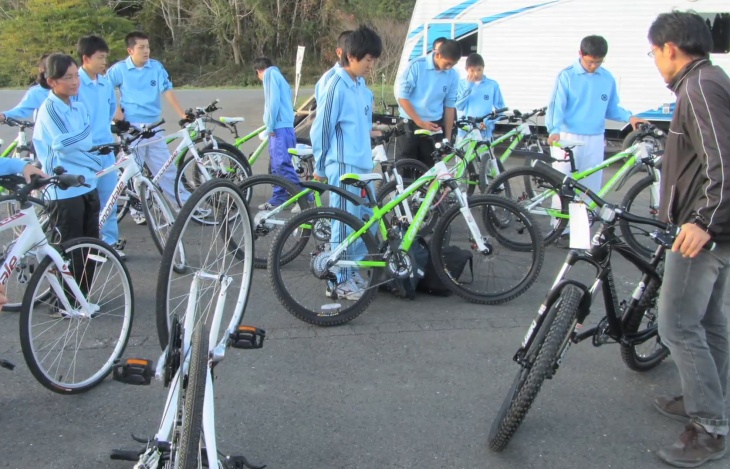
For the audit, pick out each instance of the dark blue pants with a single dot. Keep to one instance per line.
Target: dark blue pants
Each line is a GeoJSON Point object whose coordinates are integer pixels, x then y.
{"type": "Point", "coordinates": [279, 144]}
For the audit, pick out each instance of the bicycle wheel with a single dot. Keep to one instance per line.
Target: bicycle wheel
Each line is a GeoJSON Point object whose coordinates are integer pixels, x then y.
{"type": "Point", "coordinates": [388, 193]}
{"type": "Point", "coordinates": [219, 164]}
{"type": "Point", "coordinates": [305, 286]}
{"type": "Point", "coordinates": [160, 216]}
{"type": "Point", "coordinates": [649, 354]}
{"type": "Point", "coordinates": [67, 352]}
{"type": "Point", "coordinates": [641, 199]}
{"type": "Point", "coordinates": [505, 272]}
{"type": "Point", "coordinates": [410, 168]}
{"type": "Point", "coordinates": [26, 265]}
{"type": "Point", "coordinates": [188, 454]}
{"type": "Point", "coordinates": [532, 189]}
{"type": "Point", "coordinates": [546, 349]}
{"type": "Point", "coordinates": [259, 190]}
{"type": "Point", "coordinates": [206, 249]}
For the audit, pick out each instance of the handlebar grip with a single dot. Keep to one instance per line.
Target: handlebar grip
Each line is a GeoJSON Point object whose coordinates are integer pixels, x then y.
{"type": "Point", "coordinates": [155, 125]}
{"type": "Point", "coordinates": [500, 110]}
{"type": "Point", "coordinates": [71, 180]}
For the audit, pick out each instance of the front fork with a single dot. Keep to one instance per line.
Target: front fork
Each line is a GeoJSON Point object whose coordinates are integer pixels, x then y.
{"type": "Point", "coordinates": [470, 222]}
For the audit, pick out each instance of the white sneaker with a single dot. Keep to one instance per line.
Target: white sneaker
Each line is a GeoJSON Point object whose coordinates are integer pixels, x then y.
{"type": "Point", "coordinates": [267, 206]}
{"type": "Point", "coordinates": [359, 281]}
{"type": "Point", "coordinates": [118, 246]}
{"type": "Point", "coordinates": [138, 216]}
{"type": "Point", "coordinates": [296, 209]}
{"type": "Point", "coordinates": [347, 290]}
{"type": "Point", "coordinates": [202, 212]}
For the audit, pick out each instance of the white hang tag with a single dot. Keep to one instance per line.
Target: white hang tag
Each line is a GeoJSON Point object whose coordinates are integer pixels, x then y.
{"type": "Point", "coordinates": [580, 227]}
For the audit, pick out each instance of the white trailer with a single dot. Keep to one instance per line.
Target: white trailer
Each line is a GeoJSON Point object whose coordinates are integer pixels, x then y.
{"type": "Point", "coordinates": [526, 43]}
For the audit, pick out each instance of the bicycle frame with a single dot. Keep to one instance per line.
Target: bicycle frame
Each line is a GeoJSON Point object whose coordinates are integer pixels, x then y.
{"type": "Point", "coordinates": [599, 256]}
{"type": "Point", "coordinates": [187, 144]}
{"type": "Point", "coordinates": [34, 238]}
{"type": "Point", "coordinates": [435, 176]}
{"type": "Point", "coordinates": [131, 171]}
{"type": "Point", "coordinates": [20, 142]}
{"type": "Point", "coordinates": [633, 156]}
{"type": "Point", "coordinates": [260, 149]}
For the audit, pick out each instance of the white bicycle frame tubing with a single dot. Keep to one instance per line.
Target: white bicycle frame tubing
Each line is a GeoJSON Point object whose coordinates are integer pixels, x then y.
{"type": "Point", "coordinates": [33, 237]}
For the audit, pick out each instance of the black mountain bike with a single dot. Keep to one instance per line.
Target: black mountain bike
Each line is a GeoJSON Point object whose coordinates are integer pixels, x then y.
{"type": "Point", "coordinates": [631, 323]}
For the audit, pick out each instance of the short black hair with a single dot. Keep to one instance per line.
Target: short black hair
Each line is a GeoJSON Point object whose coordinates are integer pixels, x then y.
{"type": "Point", "coordinates": [595, 46]}
{"type": "Point", "coordinates": [687, 30]}
{"type": "Point", "coordinates": [262, 63]}
{"type": "Point", "coordinates": [361, 42]}
{"type": "Point", "coordinates": [131, 38]}
{"type": "Point", "coordinates": [439, 40]}
{"type": "Point", "coordinates": [450, 49]}
{"type": "Point", "coordinates": [474, 60]}
{"type": "Point", "coordinates": [342, 39]}
{"type": "Point", "coordinates": [90, 45]}
{"type": "Point", "coordinates": [56, 67]}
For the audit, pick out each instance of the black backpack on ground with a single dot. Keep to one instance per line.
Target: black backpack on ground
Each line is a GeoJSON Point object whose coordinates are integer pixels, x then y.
{"type": "Point", "coordinates": [455, 260]}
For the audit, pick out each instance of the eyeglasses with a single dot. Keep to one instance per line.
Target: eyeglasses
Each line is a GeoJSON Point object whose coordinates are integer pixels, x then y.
{"type": "Point", "coordinates": [596, 63]}
{"type": "Point", "coordinates": [652, 52]}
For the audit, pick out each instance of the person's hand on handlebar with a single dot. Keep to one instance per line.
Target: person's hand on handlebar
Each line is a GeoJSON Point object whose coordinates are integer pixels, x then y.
{"type": "Point", "coordinates": [635, 121]}
{"type": "Point", "coordinates": [31, 170]}
{"type": "Point", "coordinates": [319, 178]}
{"type": "Point", "coordinates": [553, 138]}
{"type": "Point", "coordinates": [691, 240]}
{"type": "Point", "coordinates": [430, 126]}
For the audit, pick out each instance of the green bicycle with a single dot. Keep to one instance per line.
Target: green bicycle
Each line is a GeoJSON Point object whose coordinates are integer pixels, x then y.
{"type": "Point", "coordinates": [539, 192]}
{"type": "Point", "coordinates": [347, 251]}
{"type": "Point", "coordinates": [21, 146]}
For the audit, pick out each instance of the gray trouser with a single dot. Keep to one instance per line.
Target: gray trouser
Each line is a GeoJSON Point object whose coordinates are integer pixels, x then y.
{"type": "Point", "coordinates": [693, 325]}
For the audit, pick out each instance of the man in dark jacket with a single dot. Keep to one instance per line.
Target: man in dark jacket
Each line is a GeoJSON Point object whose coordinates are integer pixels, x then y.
{"type": "Point", "coordinates": [695, 195]}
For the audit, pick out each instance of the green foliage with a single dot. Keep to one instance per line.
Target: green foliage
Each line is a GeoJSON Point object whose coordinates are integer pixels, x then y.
{"type": "Point", "coordinates": [45, 26]}
{"type": "Point", "coordinates": [209, 43]}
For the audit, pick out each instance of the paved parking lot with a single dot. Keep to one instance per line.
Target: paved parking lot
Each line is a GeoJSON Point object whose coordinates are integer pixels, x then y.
{"type": "Point", "coordinates": [408, 384]}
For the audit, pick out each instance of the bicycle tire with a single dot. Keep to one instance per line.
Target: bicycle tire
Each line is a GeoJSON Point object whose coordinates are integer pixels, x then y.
{"type": "Point", "coordinates": [629, 355]}
{"type": "Point", "coordinates": [173, 289]}
{"type": "Point", "coordinates": [558, 330]}
{"type": "Point", "coordinates": [275, 264]}
{"type": "Point", "coordinates": [103, 255]}
{"type": "Point", "coordinates": [264, 231]}
{"type": "Point", "coordinates": [195, 179]}
{"type": "Point", "coordinates": [534, 248]}
{"type": "Point", "coordinates": [188, 456]}
{"type": "Point", "coordinates": [522, 192]}
{"type": "Point", "coordinates": [410, 168]}
{"type": "Point", "coordinates": [626, 228]}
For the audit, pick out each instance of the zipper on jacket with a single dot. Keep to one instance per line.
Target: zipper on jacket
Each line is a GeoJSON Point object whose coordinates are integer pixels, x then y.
{"type": "Point", "coordinates": [669, 206]}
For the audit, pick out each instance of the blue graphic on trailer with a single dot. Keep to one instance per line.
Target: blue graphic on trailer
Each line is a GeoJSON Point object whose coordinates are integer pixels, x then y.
{"type": "Point", "coordinates": [662, 113]}
{"type": "Point", "coordinates": [460, 30]}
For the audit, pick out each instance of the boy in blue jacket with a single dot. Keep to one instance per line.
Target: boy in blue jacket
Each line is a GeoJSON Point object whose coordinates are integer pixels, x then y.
{"type": "Point", "coordinates": [279, 121]}
{"type": "Point", "coordinates": [341, 142]}
{"type": "Point", "coordinates": [478, 95]}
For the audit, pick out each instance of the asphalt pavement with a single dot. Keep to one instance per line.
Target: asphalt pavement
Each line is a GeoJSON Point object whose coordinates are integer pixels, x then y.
{"type": "Point", "coordinates": [408, 384]}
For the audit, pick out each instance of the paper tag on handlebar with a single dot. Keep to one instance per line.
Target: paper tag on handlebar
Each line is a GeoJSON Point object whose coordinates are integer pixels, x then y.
{"type": "Point", "coordinates": [580, 227]}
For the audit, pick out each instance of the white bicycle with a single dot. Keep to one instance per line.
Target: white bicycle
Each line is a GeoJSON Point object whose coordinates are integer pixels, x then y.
{"type": "Point", "coordinates": [77, 309]}
{"type": "Point", "coordinates": [190, 311]}
{"type": "Point", "coordinates": [21, 146]}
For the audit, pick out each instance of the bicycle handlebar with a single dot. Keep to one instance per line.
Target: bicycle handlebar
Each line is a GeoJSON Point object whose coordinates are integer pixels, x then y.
{"type": "Point", "coordinates": [609, 213]}
{"type": "Point", "coordinates": [22, 190]}
{"type": "Point", "coordinates": [10, 122]}
{"type": "Point", "coordinates": [649, 130]}
{"type": "Point", "coordinates": [518, 116]}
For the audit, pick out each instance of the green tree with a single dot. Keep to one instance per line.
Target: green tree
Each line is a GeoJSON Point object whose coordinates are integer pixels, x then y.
{"type": "Point", "coordinates": [45, 26]}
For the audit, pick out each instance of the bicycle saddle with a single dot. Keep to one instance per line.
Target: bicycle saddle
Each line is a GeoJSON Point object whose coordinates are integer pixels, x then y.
{"type": "Point", "coordinates": [231, 120]}
{"type": "Point", "coordinates": [301, 151]}
{"type": "Point", "coordinates": [360, 180]}
{"type": "Point", "coordinates": [564, 143]}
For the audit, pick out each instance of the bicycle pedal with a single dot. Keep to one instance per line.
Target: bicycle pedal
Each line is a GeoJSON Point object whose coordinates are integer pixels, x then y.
{"type": "Point", "coordinates": [239, 462]}
{"type": "Point", "coordinates": [7, 365]}
{"type": "Point", "coordinates": [125, 455]}
{"type": "Point", "coordinates": [248, 337]}
{"type": "Point", "coordinates": [137, 371]}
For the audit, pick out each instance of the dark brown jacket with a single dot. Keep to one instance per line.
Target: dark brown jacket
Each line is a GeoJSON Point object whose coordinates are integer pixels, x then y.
{"type": "Point", "coordinates": [695, 178]}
